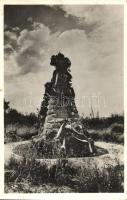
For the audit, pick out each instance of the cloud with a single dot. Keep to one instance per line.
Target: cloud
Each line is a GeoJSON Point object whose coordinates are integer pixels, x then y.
{"type": "Point", "coordinates": [10, 65]}
{"type": "Point", "coordinates": [94, 62]}
{"type": "Point", "coordinates": [8, 49]}
{"type": "Point", "coordinates": [16, 29]}
{"type": "Point", "coordinates": [96, 55]}
{"type": "Point", "coordinates": [10, 38]}
{"type": "Point", "coordinates": [30, 48]}
{"type": "Point", "coordinates": [52, 16]}
{"type": "Point", "coordinates": [91, 14]}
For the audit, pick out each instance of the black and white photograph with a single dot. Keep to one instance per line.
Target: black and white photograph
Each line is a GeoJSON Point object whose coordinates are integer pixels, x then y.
{"type": "Point", "coordinates": [63, 98]}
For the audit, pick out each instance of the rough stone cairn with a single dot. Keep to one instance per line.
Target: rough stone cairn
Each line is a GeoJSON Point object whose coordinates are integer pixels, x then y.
{"type": "Point", "coordinates": [58, 108]}
{"type": "Point", "coordinates": [59, 98]}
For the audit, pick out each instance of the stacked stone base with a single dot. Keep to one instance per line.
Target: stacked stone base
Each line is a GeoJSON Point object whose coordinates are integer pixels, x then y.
{"type": "Point", "coordinates": [56, 114]}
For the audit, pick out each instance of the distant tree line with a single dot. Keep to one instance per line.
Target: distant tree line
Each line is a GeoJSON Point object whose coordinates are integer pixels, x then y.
{"type": "Point", "coordinates": [102, 122]}
{"type": "Point", "coordinates": [12, 116]}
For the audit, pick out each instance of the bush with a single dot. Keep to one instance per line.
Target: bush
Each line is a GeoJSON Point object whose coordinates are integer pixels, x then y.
{"type": "Point", "coordinates": [63, 172]}
{"type": "Point", "coordinates": [108, 135]}
{"type": "Point", "coordinates": [99, 123]}
{"type": "Point", "coordinates": [16, 132]}
{"type": "Point", "coordinates": [117, 128]}
{"type": "Point", "coordinates": [26, 132]}
{"type": "Point", "coordinates": [90, 179]}
{"type": "Point", "coordinates": [95, 180]}
{"type": "Point", "coordinates": [13, 117]}
{"type": "Point", "coordinates": [119, 139]}
{"type": "Point", "coordinates": [28, 170]}
{"type": "Point", "coordinates": [10, 134]}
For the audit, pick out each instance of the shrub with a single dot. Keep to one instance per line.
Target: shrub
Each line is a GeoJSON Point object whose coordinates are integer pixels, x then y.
{"type": "Point", "coordinates": [16, 132]}
{"type": "Point", "coordinates": [26, 132]}
{"type": "Point", "coordinates": [107, 135]}
{"type": "Point", "coordinates": [10, 134]}
{"type": "Point", "coordinates": [81, 179]}
{"type": "Point", "coordinates": [117, 128]}
{"type": "Point", "coordinates": [63, 172]}
{"type": "Point", "coordinates": [95, 180]}
{"type": "Point", "coordinates": [98, 123]}
{"type": "Point", "coordinates": [28, 170]}
{"type": "Point", "coordinates": [120, 139]}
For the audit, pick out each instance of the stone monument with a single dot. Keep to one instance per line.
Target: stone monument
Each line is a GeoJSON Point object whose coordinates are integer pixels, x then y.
{"type": "Point", "coordinates": [58, 114]}
{"type": "Point", "coordinates": [59, 99]}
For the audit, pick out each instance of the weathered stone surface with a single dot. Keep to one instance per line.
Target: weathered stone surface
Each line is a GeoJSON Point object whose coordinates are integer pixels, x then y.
{"type": "Point", "coordinates": [51, 126]}
{"type": "Point", "coordinates": [50, 112]}
{"type": "Point", "coordinates": [59, 102]}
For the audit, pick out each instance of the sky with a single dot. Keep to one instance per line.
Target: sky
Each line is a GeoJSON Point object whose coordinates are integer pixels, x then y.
{"type": "Point", "coordinates": [91, 36]}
